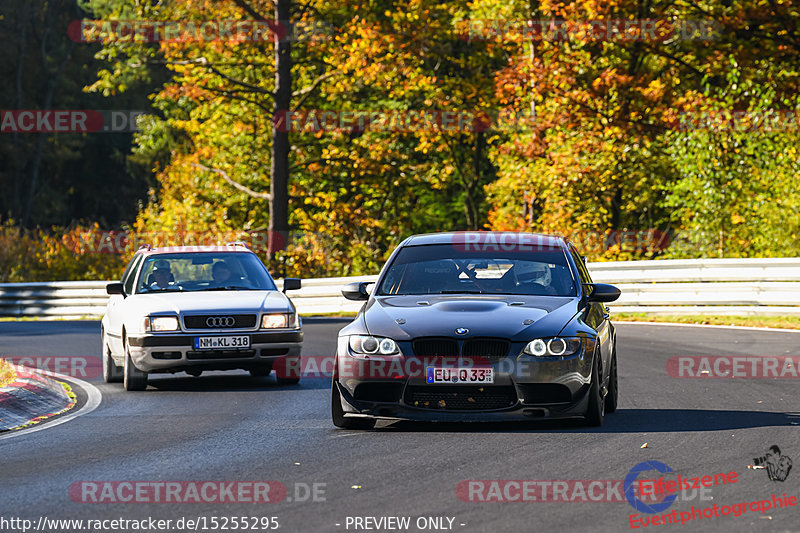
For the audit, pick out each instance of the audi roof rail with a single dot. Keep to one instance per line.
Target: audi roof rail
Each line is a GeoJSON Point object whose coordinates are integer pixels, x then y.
{"type": "Point", "coordinates": [238, 243]}
{"type": "Point", "coordinates": [145, 247]}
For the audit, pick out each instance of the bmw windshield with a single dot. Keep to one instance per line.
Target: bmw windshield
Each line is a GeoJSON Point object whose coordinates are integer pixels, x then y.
{"type": "Point", "coordinates": [446, 269]}
{"type": "Point", "coordinates": [203, 271]}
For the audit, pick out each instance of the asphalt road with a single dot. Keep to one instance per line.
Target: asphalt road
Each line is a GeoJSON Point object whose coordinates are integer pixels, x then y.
{"type": "Point", "coordinates": [228, 427]}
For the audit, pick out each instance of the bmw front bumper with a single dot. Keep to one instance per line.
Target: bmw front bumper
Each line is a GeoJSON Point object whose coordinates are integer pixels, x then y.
{"type": "Point", "coordinates": [524, 388]}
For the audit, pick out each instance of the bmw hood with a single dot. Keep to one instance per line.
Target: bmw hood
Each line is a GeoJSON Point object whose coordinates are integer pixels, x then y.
{"type": "Point", "coordinates": [514, 317]}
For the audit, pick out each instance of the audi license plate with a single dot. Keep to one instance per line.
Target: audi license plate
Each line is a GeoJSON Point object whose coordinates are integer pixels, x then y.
{"type": "Point", "coordinates": [229, 342]}
{"type": "Point", "coordinates": [459, 375]}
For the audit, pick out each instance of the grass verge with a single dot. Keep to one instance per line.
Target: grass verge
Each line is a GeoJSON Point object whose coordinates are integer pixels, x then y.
{"type": "Point", "coordinates": [780, 322]}
{"type": "Point", "coordinates": [341, 314]}
{"type": "Point", "coordinates": [7, 374]}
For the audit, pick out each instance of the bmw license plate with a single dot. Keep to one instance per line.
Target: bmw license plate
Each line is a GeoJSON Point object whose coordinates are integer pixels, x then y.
{"type": "Point", "coordinates": [459, 375]}
{"type": "Point", "coordinates": [229, 342]}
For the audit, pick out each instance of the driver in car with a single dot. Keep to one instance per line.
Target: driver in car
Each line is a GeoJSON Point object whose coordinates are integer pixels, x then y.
{"type": "Point", "coordinates": [536, 279]}
{"type": "Point", "coordinates": [161, 275]}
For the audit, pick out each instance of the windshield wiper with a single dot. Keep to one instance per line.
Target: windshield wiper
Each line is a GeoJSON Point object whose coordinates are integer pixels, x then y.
{"type": "Point", "coordinates": [167, 289]}
{"type": "Point", "coordinates": [229, 288]}
{"type": "Point", "coordinates": [461, 292]}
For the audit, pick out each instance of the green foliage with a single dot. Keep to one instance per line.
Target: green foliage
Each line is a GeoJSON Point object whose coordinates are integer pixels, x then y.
{"type": "Point", "coordinates": [736, 195]}
{"type": "Point", "coordinates": [57, 254]}
{"type": "Point", "coordinates": [607, 145]}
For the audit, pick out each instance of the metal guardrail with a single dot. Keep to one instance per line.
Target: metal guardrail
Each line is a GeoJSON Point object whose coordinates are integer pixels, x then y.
{"type": "Point", "coordinates": [697, 286]}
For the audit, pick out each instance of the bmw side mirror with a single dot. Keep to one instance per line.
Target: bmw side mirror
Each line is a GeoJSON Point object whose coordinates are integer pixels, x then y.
{"type": "Point", "coordinates": [356, 290]}
{"type": "Point", "coordinates": [291, 284]}
{"type": "Point", "coordinates": [601, 292]}
{"type": "Point", "coordinates": [115, 288]}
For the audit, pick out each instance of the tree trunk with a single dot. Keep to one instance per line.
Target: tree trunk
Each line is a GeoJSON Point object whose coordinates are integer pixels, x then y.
{"type": "Point", "coordinates": [279, 170]}
{"type": "Point", "coordinates": [472, 201]}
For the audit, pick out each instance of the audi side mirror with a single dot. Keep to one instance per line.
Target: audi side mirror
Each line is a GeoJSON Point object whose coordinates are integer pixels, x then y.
{"type": "Point", "coordinates": [356, 290]}
{"type": "Point", "coordinates": [291, 284]}
{"type": "Point", "coordinates": [601, 292]}
{"type": "Point", "coordinates": [115, 288]}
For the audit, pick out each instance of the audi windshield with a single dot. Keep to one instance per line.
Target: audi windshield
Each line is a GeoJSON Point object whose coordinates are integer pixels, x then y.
{"type": "Point", "coordinates": [203, 271]}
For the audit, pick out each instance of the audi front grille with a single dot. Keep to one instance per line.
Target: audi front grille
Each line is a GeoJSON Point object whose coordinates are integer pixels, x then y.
{"type": "Point", "coordinates": [219, 321]}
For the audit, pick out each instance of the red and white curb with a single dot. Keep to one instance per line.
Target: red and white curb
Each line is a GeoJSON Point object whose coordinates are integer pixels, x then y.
{"type": "Point", "coordinates": [35, 396]}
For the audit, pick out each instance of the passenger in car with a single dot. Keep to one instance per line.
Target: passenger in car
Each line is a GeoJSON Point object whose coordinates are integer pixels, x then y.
{"type": "Point", "coordinates": [221, 272]}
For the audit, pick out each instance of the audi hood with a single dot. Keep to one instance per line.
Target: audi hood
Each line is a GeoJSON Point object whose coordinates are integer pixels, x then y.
{"type": "Point", "coordinates": [205, 301]}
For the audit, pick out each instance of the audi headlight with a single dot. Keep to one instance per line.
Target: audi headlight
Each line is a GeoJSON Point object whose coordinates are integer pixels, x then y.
{"type": "Point", "coordinates": [559, 346]}
{"type": "Point", "coordinates": [161, 323]}
{"type": "Point", "coordinates": [369, 345]}
{"type": "Point", "coordinates": [275, 321]}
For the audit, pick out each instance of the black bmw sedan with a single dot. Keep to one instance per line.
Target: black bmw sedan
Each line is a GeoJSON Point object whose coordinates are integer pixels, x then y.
{"type": "Point", "coordinates": [477, 326]}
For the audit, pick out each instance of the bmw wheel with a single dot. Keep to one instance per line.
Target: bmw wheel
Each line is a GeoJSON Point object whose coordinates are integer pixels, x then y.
{"type": "Point", "coordinates": [337, 413]}
{"type": "Point", "coordinates": [596, 407]}
{"type": "Point", "coordinates": [612, 396]}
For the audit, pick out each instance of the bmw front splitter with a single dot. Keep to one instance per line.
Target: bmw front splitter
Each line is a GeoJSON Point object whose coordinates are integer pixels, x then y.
{"type": "Point", "coordinates": [394, 411]}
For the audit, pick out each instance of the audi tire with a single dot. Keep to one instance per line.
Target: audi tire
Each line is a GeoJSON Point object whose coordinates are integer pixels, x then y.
{"type": "Point", "coordinates": [111, 372]}
{"type": "Point", "coordinates": [133, 378]}
{"type": "Point", "coordinates": [287, 370]}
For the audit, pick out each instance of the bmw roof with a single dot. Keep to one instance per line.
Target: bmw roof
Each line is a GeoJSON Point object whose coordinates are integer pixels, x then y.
{"type": "Point", "coordinates": [486, 238]}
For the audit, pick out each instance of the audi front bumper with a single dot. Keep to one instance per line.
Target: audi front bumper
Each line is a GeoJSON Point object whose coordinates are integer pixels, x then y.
{"type": "Point", "coordinates": [176, 352]}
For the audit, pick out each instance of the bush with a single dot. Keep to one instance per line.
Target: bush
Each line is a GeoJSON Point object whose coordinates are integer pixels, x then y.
{"type": "Point", "coordinates": [56, 255]}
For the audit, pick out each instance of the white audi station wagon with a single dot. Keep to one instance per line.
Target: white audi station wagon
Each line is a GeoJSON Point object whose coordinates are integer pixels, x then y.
{"type": "Point", "coordinates": [195, 308]}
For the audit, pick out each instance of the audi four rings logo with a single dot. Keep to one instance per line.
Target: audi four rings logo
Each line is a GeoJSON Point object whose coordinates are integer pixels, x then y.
{"type": "Point", "coordinates": [220, 321]}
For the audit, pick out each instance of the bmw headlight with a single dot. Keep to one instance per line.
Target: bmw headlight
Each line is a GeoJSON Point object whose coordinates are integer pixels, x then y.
{"type": "Point", "coordinates": [558, 346]}
{"type": "Point", "coordinates": [369, 345]}
{"type": "Point", "coordinates": [161, 323]}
